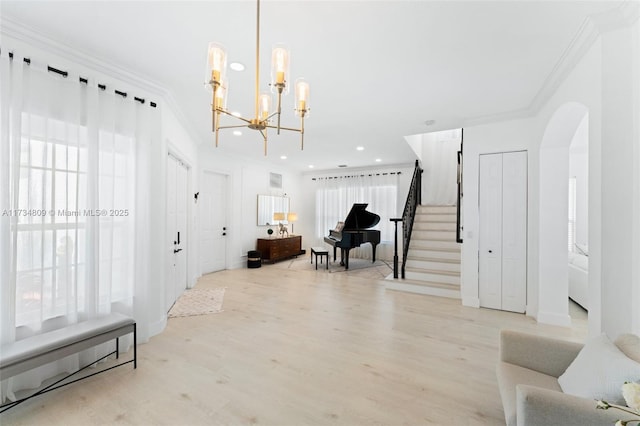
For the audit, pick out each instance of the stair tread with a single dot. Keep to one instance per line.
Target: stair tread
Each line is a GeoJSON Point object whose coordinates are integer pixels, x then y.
{"type": "Point", "coordinates": [432, 271]}
{"type": "Point", "coordinates": [433, 259]}
{"type": "Point", "coordinates": [436, 249]}
{"type": "Point", "coordinates": [429, 284]}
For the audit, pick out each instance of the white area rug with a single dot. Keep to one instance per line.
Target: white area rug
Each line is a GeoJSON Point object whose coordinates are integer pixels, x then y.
{"type": "Point", "coordinates": [198, 302]}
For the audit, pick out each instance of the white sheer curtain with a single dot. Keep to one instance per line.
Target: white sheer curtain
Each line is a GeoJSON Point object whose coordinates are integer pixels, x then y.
{"type": "Point", "coordinates": [336, 195]}
{"type": "Point", "coordinates": [73, 207]}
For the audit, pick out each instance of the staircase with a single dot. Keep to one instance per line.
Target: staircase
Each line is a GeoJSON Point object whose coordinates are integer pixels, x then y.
{"type": "Point", "coordinates": [433, 261]}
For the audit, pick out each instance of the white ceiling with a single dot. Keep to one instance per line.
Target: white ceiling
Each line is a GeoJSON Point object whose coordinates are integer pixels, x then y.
{"type": "Point", "coordinates": [378, 69]}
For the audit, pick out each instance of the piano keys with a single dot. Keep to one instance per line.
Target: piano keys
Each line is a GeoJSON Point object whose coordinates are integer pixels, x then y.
{"type": "Point", "coordinates": [354, 233]}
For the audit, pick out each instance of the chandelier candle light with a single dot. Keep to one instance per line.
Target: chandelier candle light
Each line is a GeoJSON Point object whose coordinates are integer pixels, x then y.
{"type": "Point", "coordinates": [218, 84]}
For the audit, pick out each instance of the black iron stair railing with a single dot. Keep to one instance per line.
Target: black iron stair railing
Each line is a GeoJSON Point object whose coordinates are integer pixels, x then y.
{"type": "Point", "coordinates": [414, 199]}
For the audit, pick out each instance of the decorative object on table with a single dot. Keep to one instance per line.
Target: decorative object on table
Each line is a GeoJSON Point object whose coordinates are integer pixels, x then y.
{"type": "Point", "coordinates": [292, 217]}
{"type": "Point", "coordinates": [270, 231]}
{"type": "Point", "coordinates": [631, 395]}
{"type": "Point", "coordinates": [198, 301]}
{"type": "Point", "coordinates": [216, 81]}
{"type": "Point", "coordinates": [283, 230]}
{"type": "Point", "coordinates": [280, 216]}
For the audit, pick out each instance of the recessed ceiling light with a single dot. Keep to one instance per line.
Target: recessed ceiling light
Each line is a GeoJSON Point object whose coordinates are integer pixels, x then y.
{"type": "Point", "coordinates": [360, 148]}
{"type": "Point", "coordinates": [237, 133]}
{"type": "Point", "coordinates": [236, 114]}
{"type": "Point", "coordinates": [429, 122]}
{"type": "Point", "coordinates": [311, 166]}
{"type": "Point", "coordinates": [283, 157]}
{"type": "Point", "coordinates": [236, 66]}
{"type": "Point", "coordinates": [378, 160]}
{"type": "Point", "coordinates": [342, 165]}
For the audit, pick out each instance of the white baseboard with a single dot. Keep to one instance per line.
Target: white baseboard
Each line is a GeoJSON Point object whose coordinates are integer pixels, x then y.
{"type": "Point", "coordinates": [552, 318]}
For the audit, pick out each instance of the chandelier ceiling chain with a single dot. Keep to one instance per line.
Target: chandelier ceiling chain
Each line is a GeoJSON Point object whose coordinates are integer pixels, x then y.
{"type": "Point", "coordinates": [217, 83]}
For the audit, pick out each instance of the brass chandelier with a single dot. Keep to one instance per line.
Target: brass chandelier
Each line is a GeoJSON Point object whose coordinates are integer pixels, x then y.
{"type": "Point", "coordinates": [218, 84]}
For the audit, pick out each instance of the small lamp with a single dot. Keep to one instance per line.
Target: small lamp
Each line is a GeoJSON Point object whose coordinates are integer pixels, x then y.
{"type": "Point", "coordinates": [292, 217]}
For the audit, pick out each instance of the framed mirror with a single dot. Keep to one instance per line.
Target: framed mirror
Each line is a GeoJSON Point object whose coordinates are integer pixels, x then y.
{"type": "Point", "coordinates": [268, 205]}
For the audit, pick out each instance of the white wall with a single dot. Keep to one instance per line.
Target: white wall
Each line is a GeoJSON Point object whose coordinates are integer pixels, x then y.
{"type": "Point", "coordinates": [515, 135]}
{"type": "Point", "coordinates": [604, 80]}
{"type": "Point", "coordinates": [247, 179]}
{"type": "Point", "coordinates": [579, 169]}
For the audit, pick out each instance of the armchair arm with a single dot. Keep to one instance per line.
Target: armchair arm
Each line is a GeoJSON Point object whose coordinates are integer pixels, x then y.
{"type": "Point", "coordinates": [543, 407]}
{"type": "Point", "coordinates": [542, 354]}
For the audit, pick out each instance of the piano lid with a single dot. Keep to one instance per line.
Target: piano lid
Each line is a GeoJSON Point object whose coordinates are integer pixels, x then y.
{"type": "Point", "coordinates": [359, 218]}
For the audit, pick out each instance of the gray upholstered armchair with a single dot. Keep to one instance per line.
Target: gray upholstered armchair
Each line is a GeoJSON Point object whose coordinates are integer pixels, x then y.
{"type": "Point", "coordinates": [528, 373]}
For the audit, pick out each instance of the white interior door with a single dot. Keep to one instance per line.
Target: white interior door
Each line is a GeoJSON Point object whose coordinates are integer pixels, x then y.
{"type": "Point", "coordinates": [176, 248]}
{"type": "Point", "coordinates": [213, 222]}
{"type": "Point", "coordinates": [502, 256]}
{"type": "Point", "coordinates": [490, 243]}
{"type": "Point", "coordinates": [514, 235]}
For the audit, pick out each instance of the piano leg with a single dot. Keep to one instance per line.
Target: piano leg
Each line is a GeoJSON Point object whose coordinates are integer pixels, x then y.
{"type": "Point", "coordinates": [334, 253]}
{"type": "Point", "coordinates": [373, 249]}
{"type": "Point", "coordinates": [344, 261]}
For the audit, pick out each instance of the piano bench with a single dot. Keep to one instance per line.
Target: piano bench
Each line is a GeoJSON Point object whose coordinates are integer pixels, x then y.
{"type": "Point", "coordinates": [320, 251]}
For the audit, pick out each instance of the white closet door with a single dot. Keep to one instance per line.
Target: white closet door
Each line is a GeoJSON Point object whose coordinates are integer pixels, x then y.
{"type": "Point", "coordinates": [502, 257]}
{"type": "Point", "coordinates": [514, 235]}
{"type": "Point", "coordinates": [490, 243]}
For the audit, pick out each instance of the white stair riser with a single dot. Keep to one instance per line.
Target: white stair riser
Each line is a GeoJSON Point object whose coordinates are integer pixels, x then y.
{"type": "Point", "coordinates": [434, 226]}
{"type": "Point", "coordinates": [420, 289]}
{"type": "Point", "coordinates": [437, 209]}
{"type": "Point", "coordinates": [417, 253]}
{"type": "Point", "coordinates": [433, 235]}
{"type": "Point", "coordinates": [418, 243]}
{"type": "Point", "coordinates": [434, 266]}
{"type": "Point", "coordinates": [435, 218]}
{"type": "Point", "coordinates": [427, 276]}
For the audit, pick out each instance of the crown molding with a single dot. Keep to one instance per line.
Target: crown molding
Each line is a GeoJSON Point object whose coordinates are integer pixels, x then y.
{"type": "Point", "coordinates": [626, 14]}
{"type": "Point", "coordinates": [37, 39]}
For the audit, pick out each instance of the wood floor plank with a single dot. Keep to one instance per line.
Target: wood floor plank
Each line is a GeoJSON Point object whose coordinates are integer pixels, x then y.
{"type": "Point", "coordinates": [304, 347]}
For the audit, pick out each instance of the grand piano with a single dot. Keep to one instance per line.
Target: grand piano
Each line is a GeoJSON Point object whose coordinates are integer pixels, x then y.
{"type": "Point", "coordinates": [354, 233]}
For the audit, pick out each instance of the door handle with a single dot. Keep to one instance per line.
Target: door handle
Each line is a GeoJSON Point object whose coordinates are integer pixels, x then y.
{"type": "Point", "coordinates": [178, 237]}
{"type": "Point", "coordinates": [176, 251]}
{"type": "Point", "coordinates": [224, 233]}
{"type": "Point", "coordinates": [490, 251]}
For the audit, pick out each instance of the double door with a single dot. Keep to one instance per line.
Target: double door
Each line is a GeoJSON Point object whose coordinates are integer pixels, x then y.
{"type": "Point", "coordinates": [503, 231]}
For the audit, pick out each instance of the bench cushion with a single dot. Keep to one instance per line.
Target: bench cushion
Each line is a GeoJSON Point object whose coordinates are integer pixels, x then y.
{"type": "Point", "coordinates": [23, 350]}
{"type": "Point", "coordinates": [319, 250]}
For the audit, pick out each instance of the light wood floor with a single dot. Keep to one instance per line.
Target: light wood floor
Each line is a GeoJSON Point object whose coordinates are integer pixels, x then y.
{"type": "Point", "coordinates": [300, 347]}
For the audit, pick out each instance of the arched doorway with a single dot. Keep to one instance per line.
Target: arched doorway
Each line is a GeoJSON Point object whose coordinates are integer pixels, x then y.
{"type": "Point", "coordinates": [553, 272]}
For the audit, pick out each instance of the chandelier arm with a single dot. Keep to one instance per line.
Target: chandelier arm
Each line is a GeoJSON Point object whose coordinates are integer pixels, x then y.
{"type": "Point", "coordinates": [233, 127]}
{"type": "Point", "coordinates": [279, 108]}
{"type": "Point", "coordinates": [264, 135]}
{"type": "Point", "coordinates": [302, 134]}
{"type": "Point", "coordinates": [235, 116]}
{"type": "Point", "coordinates": [285, 128]}
{"type": "Point", "coordinates": [213, 110]}
{"type": "Point", "coordinates": [217, 134]}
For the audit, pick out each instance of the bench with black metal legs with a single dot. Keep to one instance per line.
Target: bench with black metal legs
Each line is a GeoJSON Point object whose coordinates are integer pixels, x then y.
{"type": "Point", "coordinates": [31, 352]}
{"type": "Point", "coordinates": [322, 252]}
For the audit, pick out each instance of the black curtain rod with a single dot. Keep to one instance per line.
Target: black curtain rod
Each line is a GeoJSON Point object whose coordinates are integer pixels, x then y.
{"type": "Point", "coordinates": [354, 176]}
{"type": "Point", "coordinates": [65, 74]}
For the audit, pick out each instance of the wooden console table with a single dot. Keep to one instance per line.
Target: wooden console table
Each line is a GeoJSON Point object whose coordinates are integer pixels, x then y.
{"type": "Point", "coordinates": [276, 248]}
